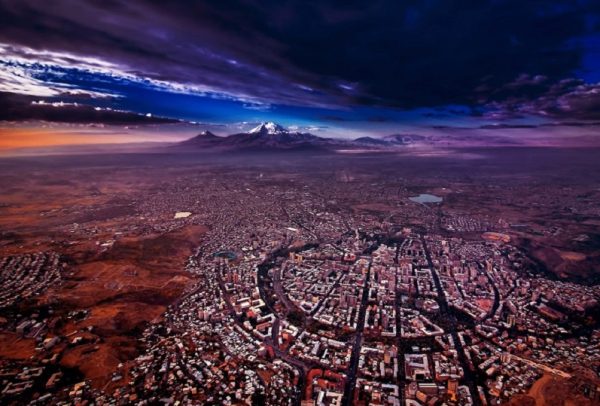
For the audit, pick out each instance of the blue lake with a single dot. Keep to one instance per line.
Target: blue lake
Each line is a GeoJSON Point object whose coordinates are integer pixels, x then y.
{"type": "Point", "coordinates": [426, 198]}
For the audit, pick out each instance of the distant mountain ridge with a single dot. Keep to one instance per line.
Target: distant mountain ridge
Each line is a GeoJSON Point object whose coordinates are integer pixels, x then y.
{"type": "Point", "coordinates": [271, 136]}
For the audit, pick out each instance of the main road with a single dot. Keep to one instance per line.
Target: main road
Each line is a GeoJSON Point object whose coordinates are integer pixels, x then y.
{"type": "Point", "coordinates": [469, 377]}
{"type": "Point", "coordinates": [355, 355]}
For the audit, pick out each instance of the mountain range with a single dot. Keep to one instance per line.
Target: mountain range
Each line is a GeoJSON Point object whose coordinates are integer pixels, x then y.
{"type": "Point", "coordinates": [272, 136]}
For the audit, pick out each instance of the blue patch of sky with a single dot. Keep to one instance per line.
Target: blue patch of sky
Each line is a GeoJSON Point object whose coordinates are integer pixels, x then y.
{"type": "Point", "coordinates": [144, 97]}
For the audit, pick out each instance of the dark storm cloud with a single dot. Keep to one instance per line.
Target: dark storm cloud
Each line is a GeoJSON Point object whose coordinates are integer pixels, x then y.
{"type": "Point", "coordinates": [26, 108]}
{"type": "Point", "coordinates": [328, 53]}
{"type": "Point", "coordinates": [565, 99]}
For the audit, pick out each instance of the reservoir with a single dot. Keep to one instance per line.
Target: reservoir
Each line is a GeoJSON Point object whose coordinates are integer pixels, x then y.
{"type": "Point", "coordinates": [426, 198]}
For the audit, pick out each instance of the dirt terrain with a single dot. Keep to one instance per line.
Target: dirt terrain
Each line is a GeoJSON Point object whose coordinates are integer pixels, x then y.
{"type": "Point", "coordinates": [551, 391]}
{"type": "Point", "coordinates": [121, 290]}
{"type": "Point", "coordinates": [118, 280]}
{"type": "Point", "coordinates": [124, 288]}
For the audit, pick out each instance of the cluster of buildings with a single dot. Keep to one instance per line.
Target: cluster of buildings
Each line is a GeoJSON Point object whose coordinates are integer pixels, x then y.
{"type": "Point", "coordinates": [456, 222]}
{"type": "Point", "coordinates": [523, 322]}
{"type": "Point", "coordinates": [328, 290]}
{"type": "Point", "coordinates": [24, 276]}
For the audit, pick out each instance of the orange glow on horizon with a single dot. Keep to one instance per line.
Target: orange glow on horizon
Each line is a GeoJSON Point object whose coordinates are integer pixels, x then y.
{"type": "Point", "coordinates": [17, 138]}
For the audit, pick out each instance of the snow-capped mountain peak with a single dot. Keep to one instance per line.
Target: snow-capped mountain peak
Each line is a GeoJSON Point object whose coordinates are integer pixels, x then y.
{"type": "Point", "coordinates": [268, 128]}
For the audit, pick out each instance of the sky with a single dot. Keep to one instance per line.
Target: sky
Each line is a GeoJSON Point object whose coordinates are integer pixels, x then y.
{"type": "Point", "coordinates": [131, 71]}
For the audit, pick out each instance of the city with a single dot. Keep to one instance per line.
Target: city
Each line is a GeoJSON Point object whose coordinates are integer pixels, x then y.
{"type": "Point", "coordinates": [300, 203]}
{"type": "Point", "coordinates": [296, 293]}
